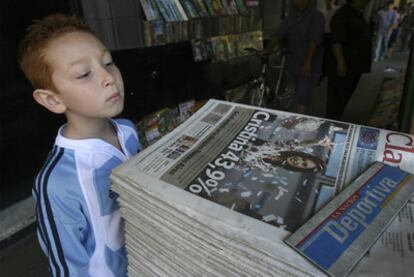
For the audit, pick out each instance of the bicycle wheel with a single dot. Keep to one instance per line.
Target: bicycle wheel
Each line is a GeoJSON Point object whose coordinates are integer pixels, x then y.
{"type": "Point", "coordinates": [286, 92]}
{"type": "Point", "coordinates": [258, 95]}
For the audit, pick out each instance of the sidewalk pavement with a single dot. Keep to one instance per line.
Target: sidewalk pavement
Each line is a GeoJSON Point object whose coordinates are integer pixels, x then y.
{"type": "Point", "coordinates": [362, 102]}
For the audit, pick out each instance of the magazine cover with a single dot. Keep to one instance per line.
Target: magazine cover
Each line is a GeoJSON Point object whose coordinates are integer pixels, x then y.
{"type": "Point", "coordinates": [184, 31]}
{"type": "Point", "coordinates": [214, 7]}
{"type": "Point", "coordinates": [226, 8]}
{"type": "Point", "coordinates": [180, 11]}
{"type": "Point", "coordinates": [147, 33]}
{"type": "Point", "coordinates": [199, 48]}
{"type": "Point", "coordinates": [237, 23]}
{"type": "Point", "coordinates": [150, 10]}
{"type": "Point", "coordinates": [231, 46]}
{"type": "Point", "coordinates": [249, 40]}
{"type": "Point", "coordinates": [232, 6]}
{"type": "Point", "coordinates": [201, 7]}
{"type": "Point", "coordinates": [198, 28]}
{"type": "Point", "coordinates": [190, 9]}
{"type": "Point", "coordinates": [220, 49]}
{"type": "Point", "coordinates": [209, 7]}
{"type": "Point", "coordinates": [241, 6]}
{"type": "Point", "coordinates": [224, 25]}
{"type": "Point", "coordinates": [164, 10]}
{"type": "Point", "coordinates": [170, 11]}
{"type": "Point", "coordinates": [158, 32]}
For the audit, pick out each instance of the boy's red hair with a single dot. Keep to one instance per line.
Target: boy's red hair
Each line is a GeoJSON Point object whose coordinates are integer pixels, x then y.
{"type": "Point", "coordinates": [31, 55]}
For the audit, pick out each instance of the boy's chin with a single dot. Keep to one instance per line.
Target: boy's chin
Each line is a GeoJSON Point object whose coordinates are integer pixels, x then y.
{"type": "Point", "coordinates": [117, 113]}
{"type": "Point", "coordinates": [118, 110]}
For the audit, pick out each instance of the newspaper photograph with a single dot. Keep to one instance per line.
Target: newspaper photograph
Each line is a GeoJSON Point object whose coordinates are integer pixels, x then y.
{"type": "Point", "coordinates": [278, 168]}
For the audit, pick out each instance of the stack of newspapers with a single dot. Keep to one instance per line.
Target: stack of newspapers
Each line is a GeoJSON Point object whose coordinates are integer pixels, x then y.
{"type": "Point", "coordinates": [219, 195]}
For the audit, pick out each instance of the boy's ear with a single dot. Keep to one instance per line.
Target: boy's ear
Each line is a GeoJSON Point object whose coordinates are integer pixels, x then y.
{"type": "Point", "coordinates": [50, 100]}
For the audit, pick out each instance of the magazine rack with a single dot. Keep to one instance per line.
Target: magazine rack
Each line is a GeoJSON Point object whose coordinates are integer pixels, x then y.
{"type": "Point", "coordinates": [217, 28]}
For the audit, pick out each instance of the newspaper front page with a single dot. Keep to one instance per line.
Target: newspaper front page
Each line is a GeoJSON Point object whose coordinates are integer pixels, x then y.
{"type": "Point", "coordinates": [272, 170]}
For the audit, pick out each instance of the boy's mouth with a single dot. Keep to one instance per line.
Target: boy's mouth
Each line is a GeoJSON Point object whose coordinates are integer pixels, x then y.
{"type": "Point", "coordinates": [114, 97]}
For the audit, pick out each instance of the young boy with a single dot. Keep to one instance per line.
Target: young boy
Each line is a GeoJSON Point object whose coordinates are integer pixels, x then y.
{"type": "Point", "coordinates": [79, 225]}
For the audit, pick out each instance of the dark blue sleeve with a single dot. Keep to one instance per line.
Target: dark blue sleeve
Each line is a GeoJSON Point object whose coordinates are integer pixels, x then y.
{"type": "Point", "coordinates": [317, 27]}
{"type": "Point", "coordinates": [283, 29]}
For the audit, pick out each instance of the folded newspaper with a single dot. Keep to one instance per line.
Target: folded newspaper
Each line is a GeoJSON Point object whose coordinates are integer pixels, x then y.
{"type": "Point", "coordinates": [218, 195]}
{"type": "Point", "coordinates": [339, 234]}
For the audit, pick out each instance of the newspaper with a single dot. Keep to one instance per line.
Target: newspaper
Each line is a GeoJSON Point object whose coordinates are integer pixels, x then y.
{"type": "Point", "coordinates": [272, 170]}
{"type": "Point", "coordinates": [340, 234]}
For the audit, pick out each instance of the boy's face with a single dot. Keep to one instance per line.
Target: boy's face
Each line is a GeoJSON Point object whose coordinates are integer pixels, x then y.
{"type": "Point", "coordinates": [87, 81]}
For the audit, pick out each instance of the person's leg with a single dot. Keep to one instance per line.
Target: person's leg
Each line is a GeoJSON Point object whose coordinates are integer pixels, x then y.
{"type": "Point", "coordinates": [304, 94]}
{"type": "Point", "coordinates": [391, 42]}
{"type": "Point", "coordinates": [384, 52]}
{"type": "Point", "coordinates": [335, 90]}
{"type": "Point", "coordinates": [349, 84]}
{"type": "Point", "coordinates": [326, 50]}
{"type": "Point", "coordinates": [378, 46]}
{"type": "Point", "coordinates": [340, 91]}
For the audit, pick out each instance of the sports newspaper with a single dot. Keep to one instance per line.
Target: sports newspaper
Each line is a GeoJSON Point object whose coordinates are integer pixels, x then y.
{"type": "Point", "coordinates": [338, 235]}
{"type": "Point", "coordinates": [273, 170]}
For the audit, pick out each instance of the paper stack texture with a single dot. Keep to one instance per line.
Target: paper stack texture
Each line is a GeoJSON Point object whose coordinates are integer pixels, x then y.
{"type": "Point", "coordinates": [218, 195]}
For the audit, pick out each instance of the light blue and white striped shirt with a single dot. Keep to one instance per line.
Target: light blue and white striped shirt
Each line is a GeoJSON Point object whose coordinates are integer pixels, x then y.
{"type": "Point", "coordinates": [79, 225]}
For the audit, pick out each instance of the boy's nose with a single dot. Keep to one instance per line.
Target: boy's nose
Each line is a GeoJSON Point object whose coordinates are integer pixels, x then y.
{"type": "Point", "coordinates": [108, 77]}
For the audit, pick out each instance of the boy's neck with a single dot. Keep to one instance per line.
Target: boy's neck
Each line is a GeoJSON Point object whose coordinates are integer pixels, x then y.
{"type": "Point", "coordinates": [97, 129]}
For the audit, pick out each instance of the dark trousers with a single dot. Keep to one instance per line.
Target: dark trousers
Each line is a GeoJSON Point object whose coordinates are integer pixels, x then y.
{"type": "Point", "coordinates": [326, 52]}
{"type": "Point", "coordinates": [340, 90]}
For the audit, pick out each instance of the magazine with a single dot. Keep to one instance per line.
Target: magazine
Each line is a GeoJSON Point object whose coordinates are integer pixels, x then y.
{"type": "Point", "coordinates": [232, 6]}
{"type": "Point", "coordinates": [180, 11]}
{"type": "Point", "coordinates": [190, 9]}
{"type": "Point", "coordinates": [201, 7]}
{"type": "Point", "coordinates": [241, 6]}
{"type": "Point", "coordinates": [150, 10]}
{"type": "Point", "coordinates": [158, 32]}
{"type": "Point", "coordinates": [171, 10]}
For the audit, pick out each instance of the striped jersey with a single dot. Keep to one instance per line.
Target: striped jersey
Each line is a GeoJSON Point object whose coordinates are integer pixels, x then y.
{"type": "Point", "coordinates": [79, 225]}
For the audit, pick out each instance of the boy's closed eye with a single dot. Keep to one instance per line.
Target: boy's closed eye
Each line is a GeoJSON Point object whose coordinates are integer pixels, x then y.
{"type": "Point", "coordinates": [83, 75]}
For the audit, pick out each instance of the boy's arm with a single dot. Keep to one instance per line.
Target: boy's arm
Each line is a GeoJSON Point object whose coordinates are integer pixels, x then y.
{"type": "Point", "coordinates": [62, 231]}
